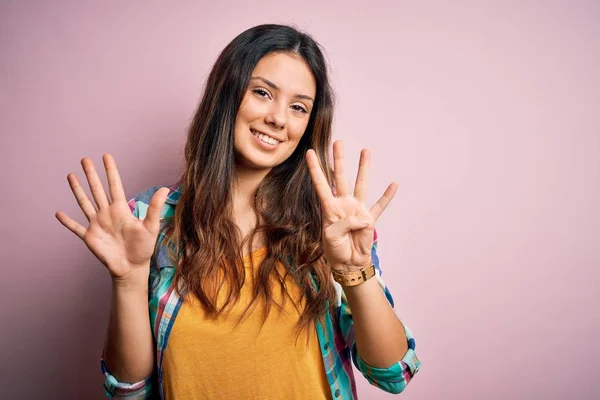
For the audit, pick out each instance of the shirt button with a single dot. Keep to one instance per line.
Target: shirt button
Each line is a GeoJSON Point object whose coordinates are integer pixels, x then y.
{"type": "Point", "coordinates": [326, 347]}
{"type": "Point", "coordinates": [337, 393]}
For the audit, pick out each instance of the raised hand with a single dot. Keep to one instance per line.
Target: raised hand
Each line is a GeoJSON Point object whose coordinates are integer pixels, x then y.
{"type": "Point", "coordinates": [122, 242]}
{"type": "Point", "coordinates": [347, 223]}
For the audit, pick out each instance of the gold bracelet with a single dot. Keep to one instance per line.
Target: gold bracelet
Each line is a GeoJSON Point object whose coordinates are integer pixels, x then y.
{"type": "Point", "coordinates": [354, 278]}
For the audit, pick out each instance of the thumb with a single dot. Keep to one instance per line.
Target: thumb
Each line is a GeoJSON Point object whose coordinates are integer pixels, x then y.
{"type": "Point", "coordinates": [347, 224]}
{"type": "Point", "coordinates": [152, 220]}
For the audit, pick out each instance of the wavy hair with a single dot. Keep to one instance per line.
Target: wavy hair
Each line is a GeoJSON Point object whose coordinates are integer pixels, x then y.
{"type": "Point", "coordinates": [207, 243]}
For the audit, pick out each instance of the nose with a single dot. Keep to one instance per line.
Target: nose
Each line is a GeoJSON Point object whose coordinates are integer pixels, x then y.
{"type": "Point", "coordinates": [276, 117]}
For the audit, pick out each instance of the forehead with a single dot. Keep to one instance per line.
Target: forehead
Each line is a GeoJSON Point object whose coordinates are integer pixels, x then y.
{"type": "Point", "coordinates": [289, 72]}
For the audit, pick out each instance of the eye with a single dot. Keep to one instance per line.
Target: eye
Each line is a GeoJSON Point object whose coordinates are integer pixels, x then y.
{"type": "Point", "coordinates": [299, 108]}
{"type": "Point", "coordinates": [260, 92]}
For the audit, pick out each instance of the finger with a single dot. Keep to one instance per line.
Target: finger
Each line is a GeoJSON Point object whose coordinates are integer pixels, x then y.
{"type": "Point", "coordinates": [360, 189]}
{"type": "Point", "coordinates": [94, 182]}
{"type": "Point", "coordinates": [339, 164]}
{"type": "Point", "coordinates": [347, 224]}
{"type": "Point", "coordinates": [152, 220]}
{"type": "Point", "coordinates": [383, 202]}
{"type": "Point", "coordinates": [115, 186]}
{"type": "Point", "coordinates": [318, 177]}
{"type": "Point", "coordinates": [70, 224]}
{"type": "Point", "coordinates": [82, 199]}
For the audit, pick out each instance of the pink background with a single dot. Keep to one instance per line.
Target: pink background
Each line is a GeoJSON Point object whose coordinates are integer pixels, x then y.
{"type": "Point", "coordinates": [485, 113]}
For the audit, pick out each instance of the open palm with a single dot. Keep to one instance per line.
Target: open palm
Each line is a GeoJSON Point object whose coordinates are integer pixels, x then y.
{"type": "Point", "coordinates": [122, 242]}
{"type": "Point", "coordinates": [348, 225]}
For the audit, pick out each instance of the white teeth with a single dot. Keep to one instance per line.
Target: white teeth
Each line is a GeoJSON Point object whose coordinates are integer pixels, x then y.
{"type": "Point", "coordinates": [265, 138]}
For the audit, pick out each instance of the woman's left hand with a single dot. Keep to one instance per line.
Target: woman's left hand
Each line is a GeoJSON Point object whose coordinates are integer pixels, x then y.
{"type": "Point", "coordinates": [348, 225]}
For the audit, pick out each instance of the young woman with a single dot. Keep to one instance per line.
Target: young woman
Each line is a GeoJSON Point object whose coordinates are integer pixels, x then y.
{"type": "Point", "coordinates": [256, 275]}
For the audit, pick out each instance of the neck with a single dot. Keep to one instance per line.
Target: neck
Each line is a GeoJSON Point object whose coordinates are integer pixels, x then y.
{"type": "Point", "coordinates": [245, 185]}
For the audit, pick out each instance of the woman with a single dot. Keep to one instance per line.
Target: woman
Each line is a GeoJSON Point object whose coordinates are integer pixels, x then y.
{"type": "Point", "coordinates": [241, 252]}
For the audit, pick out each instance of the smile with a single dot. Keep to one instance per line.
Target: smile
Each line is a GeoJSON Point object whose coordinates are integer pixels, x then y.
{"type": "Point", "coordinates": [265, 138]}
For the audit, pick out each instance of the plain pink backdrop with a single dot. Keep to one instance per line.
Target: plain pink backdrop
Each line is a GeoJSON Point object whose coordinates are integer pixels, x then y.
{"type": "Point", "coordinates": [485, 113]}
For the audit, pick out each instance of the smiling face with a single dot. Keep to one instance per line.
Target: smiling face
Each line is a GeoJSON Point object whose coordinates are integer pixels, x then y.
{"type": "Point", "coordinates": [274, 112]}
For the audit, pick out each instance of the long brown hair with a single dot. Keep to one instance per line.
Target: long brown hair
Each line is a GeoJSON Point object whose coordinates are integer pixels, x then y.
{"type": "Point", "coordinates": [206, 240]}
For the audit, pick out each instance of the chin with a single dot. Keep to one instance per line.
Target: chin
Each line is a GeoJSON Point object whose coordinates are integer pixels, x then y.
{"type": "Point", "coordinates": [254, 162]}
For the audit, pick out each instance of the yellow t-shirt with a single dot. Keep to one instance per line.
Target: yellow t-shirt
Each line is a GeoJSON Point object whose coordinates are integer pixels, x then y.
{"type": "Point", "coordinates": [208, 359]}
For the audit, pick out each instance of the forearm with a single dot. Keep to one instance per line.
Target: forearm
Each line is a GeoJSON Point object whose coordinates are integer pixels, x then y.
{"type": "Point", "coordinates": [379, 334]}
{"type": "Point", "coordinates": [128, 350]}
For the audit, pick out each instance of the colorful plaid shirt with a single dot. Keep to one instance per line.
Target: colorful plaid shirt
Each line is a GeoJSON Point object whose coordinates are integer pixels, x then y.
{"type": "Point", "coordinates": [336, 340]}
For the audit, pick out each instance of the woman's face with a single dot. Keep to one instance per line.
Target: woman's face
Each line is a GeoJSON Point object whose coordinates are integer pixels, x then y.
{"type": "Point", "coordinates": [274, 112]}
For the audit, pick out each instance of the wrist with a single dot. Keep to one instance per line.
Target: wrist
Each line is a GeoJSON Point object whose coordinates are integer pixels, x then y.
{"type": "Point", "coordinates": [363, 291]}
{"type": "Point", "coordinates": [348, 268]}
{"type": "Point", "coordinates": [134, 281]}
{"type": "Point", "coordinates": [345, 268]}
{"type": "Point", "coordinates": [350, 278]}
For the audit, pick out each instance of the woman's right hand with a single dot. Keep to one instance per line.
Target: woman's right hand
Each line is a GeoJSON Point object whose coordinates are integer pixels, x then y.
{"type": "Point", "coordinates": [122, 242]}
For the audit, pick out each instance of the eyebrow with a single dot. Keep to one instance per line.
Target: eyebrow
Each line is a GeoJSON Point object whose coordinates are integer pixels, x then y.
{"type": "Point", "coordinates": [275, 87]}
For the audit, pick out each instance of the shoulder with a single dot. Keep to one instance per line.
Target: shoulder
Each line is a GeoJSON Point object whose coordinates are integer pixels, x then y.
{"type": "Point", "coordinates": [139, 203]}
